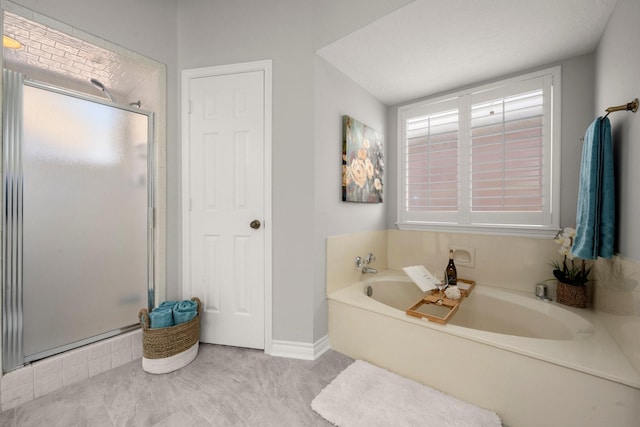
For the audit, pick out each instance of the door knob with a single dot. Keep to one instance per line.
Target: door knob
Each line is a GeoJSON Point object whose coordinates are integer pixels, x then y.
{"type": "Point", "coordinates": [255, 224]}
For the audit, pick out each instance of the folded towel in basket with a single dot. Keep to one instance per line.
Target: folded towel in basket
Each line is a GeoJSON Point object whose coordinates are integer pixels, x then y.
{"type": "Point", "coordinates": [166, 304]}
{"type": "Point", "coordinates": [161, 318]}
{"type": "Point", "coordinates": [184, 311]}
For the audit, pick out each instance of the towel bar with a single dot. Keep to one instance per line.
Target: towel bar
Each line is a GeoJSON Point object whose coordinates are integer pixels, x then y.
{"type": "Point", "coordinates": [630, 106]}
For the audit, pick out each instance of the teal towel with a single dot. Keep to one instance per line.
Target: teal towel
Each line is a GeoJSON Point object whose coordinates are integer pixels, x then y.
{"type": "Point", "coordinates": [595, 218]}
{"type": "Point", "coordinates": [166, 304]}
{"type": "Point", "coordinates": [184, 311]}
{"type": "Point", "coordinates": [161, 318]}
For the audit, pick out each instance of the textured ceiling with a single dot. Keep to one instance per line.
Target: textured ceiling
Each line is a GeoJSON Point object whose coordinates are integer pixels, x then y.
{"type": "Point", "coordinates": [56, 57]}
{"type": "Point", "coordinates": [426, 47]}
{"type": "Point", "coordinates": [431, 46]}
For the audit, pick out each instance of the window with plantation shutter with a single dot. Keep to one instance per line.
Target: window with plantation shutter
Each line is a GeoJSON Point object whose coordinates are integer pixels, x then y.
{"type": "Point", "coordinates": [432, 162]}
{"type": "Point", "coordinates": [485, 158]}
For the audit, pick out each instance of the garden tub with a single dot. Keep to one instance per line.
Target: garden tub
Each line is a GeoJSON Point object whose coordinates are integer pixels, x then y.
{"type": "Point", "coordinates": [533, 362]}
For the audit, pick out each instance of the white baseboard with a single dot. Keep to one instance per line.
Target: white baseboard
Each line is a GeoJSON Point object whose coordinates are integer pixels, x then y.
{"type": "Point", "coordinates": [300, 350]}
{"type": "Point", "coordinates": [321, 346]}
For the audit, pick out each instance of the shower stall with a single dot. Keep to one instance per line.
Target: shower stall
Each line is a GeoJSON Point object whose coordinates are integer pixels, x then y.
{"type": "Point", "coordinates": [77, 219]}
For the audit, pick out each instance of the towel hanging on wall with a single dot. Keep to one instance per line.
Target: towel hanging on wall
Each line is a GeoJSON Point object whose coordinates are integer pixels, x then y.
{"type": "Point", "coordinates": [595, 218]}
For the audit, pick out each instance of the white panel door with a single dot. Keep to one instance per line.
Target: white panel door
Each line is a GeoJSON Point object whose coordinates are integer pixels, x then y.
{"type": "Point", "coordinates": [227, 206]}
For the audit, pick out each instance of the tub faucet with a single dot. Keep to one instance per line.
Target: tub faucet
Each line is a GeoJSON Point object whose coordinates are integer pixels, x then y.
{"type": "Point", "coordinates": [360, 263]}
{"type": "Point", "coordinates": [541, 292]}
{"type": "Point", "coordinates": [366, 269]}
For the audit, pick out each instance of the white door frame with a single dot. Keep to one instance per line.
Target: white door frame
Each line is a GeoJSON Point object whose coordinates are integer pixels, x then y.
{"type": "Point", "coordinates": [187, 75]}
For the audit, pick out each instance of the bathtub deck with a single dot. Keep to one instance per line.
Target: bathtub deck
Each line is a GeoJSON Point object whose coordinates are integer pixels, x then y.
{"type": "Point", "coordinates": [584, 381]}
{"type": "Point", "coordinates": [594, 353]}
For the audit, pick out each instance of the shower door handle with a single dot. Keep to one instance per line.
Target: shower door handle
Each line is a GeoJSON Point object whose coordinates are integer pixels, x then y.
{"type": "Point", "coordinates": [255, 224]}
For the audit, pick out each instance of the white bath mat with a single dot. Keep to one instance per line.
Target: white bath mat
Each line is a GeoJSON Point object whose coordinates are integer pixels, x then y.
{"type": "Point", "coordinates": [365, 395]}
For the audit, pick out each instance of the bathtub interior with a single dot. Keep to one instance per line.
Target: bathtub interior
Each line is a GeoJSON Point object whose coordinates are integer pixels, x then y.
{"type": "Point", "coordinates": [486, 309]}
{"type": "Point", "coordinates": [492, 314]}
{"type": "Point", "coordinates": [397, 293]}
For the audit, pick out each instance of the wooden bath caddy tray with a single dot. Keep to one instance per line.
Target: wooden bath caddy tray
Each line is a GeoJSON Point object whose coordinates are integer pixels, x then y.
{"type": "Point", "coordinates": [438, 309]}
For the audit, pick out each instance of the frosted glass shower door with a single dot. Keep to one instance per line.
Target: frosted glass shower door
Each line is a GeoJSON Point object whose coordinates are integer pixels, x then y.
{"type": "Point", "coordinates": [85, 270]}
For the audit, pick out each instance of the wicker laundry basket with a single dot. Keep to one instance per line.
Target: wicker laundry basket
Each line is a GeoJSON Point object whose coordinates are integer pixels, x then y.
{"type": "Point", "coordinates": [167, 349]}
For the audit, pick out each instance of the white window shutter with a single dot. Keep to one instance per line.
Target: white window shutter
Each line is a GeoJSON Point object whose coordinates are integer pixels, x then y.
{"type": "Point", "coordinates": [481, 159]}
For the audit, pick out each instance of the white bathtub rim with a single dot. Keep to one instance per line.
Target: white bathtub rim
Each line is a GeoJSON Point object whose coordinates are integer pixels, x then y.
{"type": "Point", "coordinates": [584, 353]}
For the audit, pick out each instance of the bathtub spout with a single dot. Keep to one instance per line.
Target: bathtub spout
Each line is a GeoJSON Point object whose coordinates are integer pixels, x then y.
{"type": "Point", "coordinates": [366, 269]}
{"type": "Point", "coordinates": [541, 292]}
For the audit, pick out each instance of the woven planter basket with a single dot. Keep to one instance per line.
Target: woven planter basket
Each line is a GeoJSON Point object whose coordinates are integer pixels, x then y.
{"type": "Point", "coordinates": [168, 343]}
{"type": "Point", "coordinates": [573, 296]}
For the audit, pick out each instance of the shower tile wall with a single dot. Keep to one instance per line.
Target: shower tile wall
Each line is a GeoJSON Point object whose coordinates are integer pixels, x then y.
{"type": "Point", "coordinates": [55, 51]}
{"type": "Point", "coordinates": [47, 376]}
{"type": "Point", "coordinates": [17, 387]}
{"type": "Point", "coordinates": [53, 373]}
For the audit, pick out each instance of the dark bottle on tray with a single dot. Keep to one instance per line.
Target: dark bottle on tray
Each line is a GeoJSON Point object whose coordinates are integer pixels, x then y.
{"type": "Point", "coordinates": [450, 273]}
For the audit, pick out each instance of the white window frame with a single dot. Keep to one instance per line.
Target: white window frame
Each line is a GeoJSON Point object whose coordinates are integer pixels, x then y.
{"type": "Point", "coordinates": [462, 220]}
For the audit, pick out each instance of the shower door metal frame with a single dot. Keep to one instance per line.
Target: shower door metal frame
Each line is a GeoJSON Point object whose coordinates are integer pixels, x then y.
{"type": "Point", "coordinates": [12, 350]}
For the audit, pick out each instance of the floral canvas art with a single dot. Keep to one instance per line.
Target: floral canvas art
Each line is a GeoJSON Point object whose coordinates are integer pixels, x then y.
{"type": "Point", "coordinates": [362, 162]}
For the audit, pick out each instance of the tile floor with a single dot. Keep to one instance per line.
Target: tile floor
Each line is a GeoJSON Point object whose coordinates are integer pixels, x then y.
{"type": "Point", "coordinates": [224, 386]}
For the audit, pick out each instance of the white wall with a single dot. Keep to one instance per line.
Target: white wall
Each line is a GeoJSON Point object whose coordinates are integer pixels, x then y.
{"type": "Point", "coordinates": [617, 293]}
{"type": "Point", "coordinates": [201, 33]}
{"type": "Point", "coordinates": [223, 32]}
{"type": "Point", "coordinates": [618, 82]}
{"type": "Point", "coordinates": [336, 95]}
{"type": "Point", "coordinates": [204, 33]}
{"type": "Point", "coordinates": [577, 114]}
